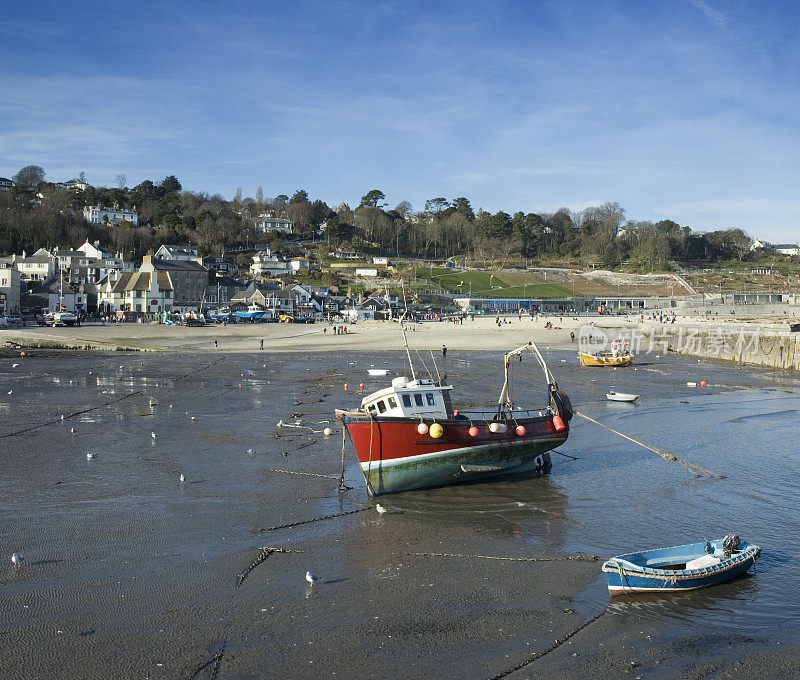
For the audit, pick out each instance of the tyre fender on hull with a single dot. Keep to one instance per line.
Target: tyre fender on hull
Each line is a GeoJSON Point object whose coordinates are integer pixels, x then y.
{"type": "Point", "coordinates": [561, 403]}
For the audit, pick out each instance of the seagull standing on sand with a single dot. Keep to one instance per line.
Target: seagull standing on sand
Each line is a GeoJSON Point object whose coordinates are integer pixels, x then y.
{"type": "Point", "coordinates": [89, 455]}
{"type": "Point", "coordinates": [16, 558]}
{"type": "Point", "coordinates": [380, 508]}
{"type": "Point", "coordinates": [311, 578]}
{"type": "Point", "coordinates": [153, 435]}
{"type": "Point", "coordinates": [183, 478]}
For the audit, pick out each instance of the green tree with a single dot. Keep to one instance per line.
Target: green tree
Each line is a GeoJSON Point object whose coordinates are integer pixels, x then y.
{"type": "Point", "coordinates": [372, 198]}
{"type": "Point", "coordinates": [171, 184]}
{"type": "Point", "coordinates": [299, 196]}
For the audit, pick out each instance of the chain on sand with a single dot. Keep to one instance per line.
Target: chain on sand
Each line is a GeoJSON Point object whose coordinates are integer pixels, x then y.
{"type": "Point", "coordinates": [309, 521]}
{"type": "Point", "coordinates": [564, 558]}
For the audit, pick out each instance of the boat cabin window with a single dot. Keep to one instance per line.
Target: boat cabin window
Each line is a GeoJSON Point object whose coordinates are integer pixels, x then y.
{"type": "Point", "coordinates": [381, 406]}
{"type": "Point", "coordinates": [406, 400]}
{"type": "Point", "coordinates": [418, 399]}
{"type": "Point", "coordinates": [372, 408]}
{"type": "Point", "coordinates": [392, 402]}
{"type": "Point", "coordinates": [430, 399]}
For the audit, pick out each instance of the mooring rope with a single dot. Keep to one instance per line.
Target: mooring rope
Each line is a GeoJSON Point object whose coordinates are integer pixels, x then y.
{"type": "Point", "coordinates": [691, 467]}
{"type": "Point", "coordinates": [309, 521]}
{"type": "Point", "coordinates": [264, 554]}
{"type": "Point", "coordinates": [563, 558]}
{"type": "Point", "coordinates": [342, 485]}
{"type": "Point", "coordinates": [305, 474]}
{"type": "Point", "coordinates": [543, 652]}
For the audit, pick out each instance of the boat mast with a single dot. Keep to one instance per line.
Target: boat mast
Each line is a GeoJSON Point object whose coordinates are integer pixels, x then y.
{"type": "Point", "coordinates": [403, 330]}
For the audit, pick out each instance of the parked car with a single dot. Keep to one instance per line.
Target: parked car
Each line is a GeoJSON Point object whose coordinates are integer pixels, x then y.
{"type": "Point", "coordinates": [14, 319]}
{"type": "Point", "coordinates": [46, 320]}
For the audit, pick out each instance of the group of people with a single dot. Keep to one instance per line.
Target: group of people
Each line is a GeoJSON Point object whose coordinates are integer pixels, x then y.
{"type": "Point", "coordinates": [337, 330]}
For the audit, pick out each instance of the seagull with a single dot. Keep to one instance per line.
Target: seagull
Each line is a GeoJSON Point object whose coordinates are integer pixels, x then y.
{"type": "Point", "coordinates": [280, 423]}
{"type": "Point", "coordinates": [14, 365]}
{"type": "Point", "coordinates": [311, 578]}
{"type": "Point", "coordinates": [72, 430]}
{"type": "Point", "coordinates": [153, 435]}
{"type": "Point", "coordinates": [17, 559]}
{"type": "Point", "coordinates": [250, 451]}
{"type": "Point", "coordinates": [62, 417]}
{"type": "Point", "coordinates": [183, 478]}
{"type": "Point", "coordinates": [10, 391]}
{"type": "Point", "coordinates": [89, 455]}
{"type": "Point", "coordinates": [192, 417]}
{"type": "Point", "coordinates": [380, 508]}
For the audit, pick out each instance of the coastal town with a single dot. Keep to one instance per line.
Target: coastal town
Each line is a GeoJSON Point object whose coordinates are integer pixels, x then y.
{"type": "Point", "coordinates": [400, 341]}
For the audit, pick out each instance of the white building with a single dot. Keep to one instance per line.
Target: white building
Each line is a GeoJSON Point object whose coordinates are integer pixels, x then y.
{"type": "Point", "coordinates": [96, 214]}
{"type": "Point", "coordinates": [366, 271]}
{"type": "Point", "coordinates": [93, 250]}
{"type": "Point", "coordinates": [143, 292]}
{"type": "Point", "coordinates": [5, 184]}
{"type": "Point", "coordinates": [787, 248]}
{"type": "Point", "coordinates": [173, 253]}
{"type": "Point", "coordinates": [378, 259]}
{"type": "Point", "coordinates": [38, 267]}
{"type": "Point", "coordinates": [266, 223]}
{"type": "Point", "coordinates": [265, 263]}
{"type": "Point", "coordinates": [297, 264]}
{"type": "Point", "coordinates": [9, 286]}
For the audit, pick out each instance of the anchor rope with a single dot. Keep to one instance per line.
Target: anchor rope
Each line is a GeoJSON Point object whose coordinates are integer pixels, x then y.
{"type": "Point", "coordinates": [691, 467]}
{"type": "Point", "coordinates": [305, 474]}
{"type": "Point", "coordinates": [309, 521]}
{"type": "Point", "coordinates": [555, 645]}
{"type": "Point", "coordinates": [265, 552]}
{"type": "Point", "coordinates": [563, 558]}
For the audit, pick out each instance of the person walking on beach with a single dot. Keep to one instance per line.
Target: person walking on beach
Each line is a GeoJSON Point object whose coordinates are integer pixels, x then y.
{"type": "Point", "coordinates": [444, 352]}
{"type": "Point", "coordinates": [261, 343]}
{"type": "Point", "coordinates": [215, 344]}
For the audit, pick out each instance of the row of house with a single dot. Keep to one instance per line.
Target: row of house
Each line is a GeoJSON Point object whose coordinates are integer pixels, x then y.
{"type": "Point", "coordinates": [781, 248]}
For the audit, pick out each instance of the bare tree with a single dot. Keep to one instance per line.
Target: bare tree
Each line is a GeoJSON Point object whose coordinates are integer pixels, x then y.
{"type": "Point", "coordinates": [121, 180]}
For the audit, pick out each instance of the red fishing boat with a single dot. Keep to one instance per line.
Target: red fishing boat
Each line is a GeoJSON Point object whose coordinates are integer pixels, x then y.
{"type": "Point", "coordinates": [409, 436]}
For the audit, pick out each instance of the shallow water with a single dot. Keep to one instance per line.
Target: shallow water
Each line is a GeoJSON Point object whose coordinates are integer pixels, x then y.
{"type": "Point", "coordinates": [117, 547]}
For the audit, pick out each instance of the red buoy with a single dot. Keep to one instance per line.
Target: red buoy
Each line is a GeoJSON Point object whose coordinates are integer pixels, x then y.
{"type": "Point", "coordinates": [361, 386]}
{"type": "Point", "coordinates": [473, 431]}
{"type": "Point", "coordinates": [520, 430]}
{"type": "Point", "coordinates": [558, 422]}
{"type": "Point", "coordinates": [345, 387]}
{"type": "Point", "coordinates": [702, 383]}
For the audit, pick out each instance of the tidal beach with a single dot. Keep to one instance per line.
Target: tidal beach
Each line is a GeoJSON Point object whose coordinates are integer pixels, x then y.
{"type": "Point", "coordinates": [130, 572]}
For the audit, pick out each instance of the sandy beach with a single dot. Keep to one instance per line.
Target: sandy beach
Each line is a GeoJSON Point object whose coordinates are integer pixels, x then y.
{"type": "Point", "coordinates": [480, 333]}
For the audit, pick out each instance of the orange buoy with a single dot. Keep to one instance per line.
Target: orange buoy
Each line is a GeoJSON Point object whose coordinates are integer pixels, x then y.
{"type": "Point", "coordinates": [702, 383]}
{"type": "Point", "coordinates": [558, 422]}
{"type": "Point", "coordinates": [361, 386]}
{"type": "Point", "coordinates": [22, 354]}
{"type": "Point", "coordinates": [520, 430]}
{"type": "Point", "coordinates": [473, 431]}
{"type": "Point", "coordinates": [455, 413]}
{"type": "Point", "coordinates": [240, 384]}
{"type": "Point", "coordinates": [345, 387]}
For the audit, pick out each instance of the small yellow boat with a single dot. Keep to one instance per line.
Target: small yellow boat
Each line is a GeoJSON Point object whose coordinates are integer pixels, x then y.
{"type": "Point", "coordinates": [615, 359]}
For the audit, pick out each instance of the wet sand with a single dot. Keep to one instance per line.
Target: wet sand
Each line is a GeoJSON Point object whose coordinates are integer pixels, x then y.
{"type": "Point", "coordinates": [130, 573]}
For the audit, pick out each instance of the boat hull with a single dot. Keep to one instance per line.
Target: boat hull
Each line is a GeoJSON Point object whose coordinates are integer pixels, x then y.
{"type": "Point", "coordinates": [394, 456]}
{"type": "Point", "coordinates": [623, 576]}
{"type": "Point", "coordinates": [605, 360]}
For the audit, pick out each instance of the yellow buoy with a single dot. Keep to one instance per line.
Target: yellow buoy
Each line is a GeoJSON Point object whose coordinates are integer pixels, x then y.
{"type": "Point", "coordinates": [436, 430]}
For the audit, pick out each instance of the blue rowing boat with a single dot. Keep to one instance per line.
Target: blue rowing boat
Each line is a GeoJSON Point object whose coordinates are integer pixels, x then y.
{"type": "Point", "coordinates": [681, 567]}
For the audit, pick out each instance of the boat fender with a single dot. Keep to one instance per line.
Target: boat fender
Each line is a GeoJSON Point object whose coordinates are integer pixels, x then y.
{"type": "Point", "coordinates": [422, 428]}
{"type": "Point", "coordinates": [558, 423]}
{"type": "Point", "coordinates": [473, 431]}
{"type": "Point", "coordinates": [498, 428]}
{"type": "Point", "coordinates": [562, 404]}
{"type": "Point", "coordinates": [436, 431]}
{"type": "Point", "coordinates": [520, 430]}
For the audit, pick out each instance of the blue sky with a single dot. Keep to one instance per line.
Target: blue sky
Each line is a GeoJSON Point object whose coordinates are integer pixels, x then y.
{"type": "Point", "coordinates": [684, 109]}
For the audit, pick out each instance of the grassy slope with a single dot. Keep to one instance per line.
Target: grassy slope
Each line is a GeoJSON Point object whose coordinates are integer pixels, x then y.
{"type": "Point", "coordinates": [486, 284]}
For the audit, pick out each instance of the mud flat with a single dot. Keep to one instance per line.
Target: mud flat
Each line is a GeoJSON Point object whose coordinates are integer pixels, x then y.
{"type": "Point", "coordinates": [130, 572]}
